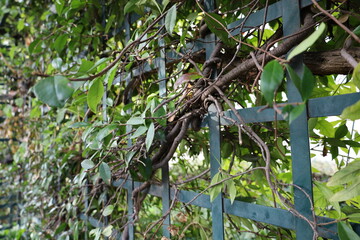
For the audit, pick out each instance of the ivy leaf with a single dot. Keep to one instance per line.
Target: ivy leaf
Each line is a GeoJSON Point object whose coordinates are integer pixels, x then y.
{"type": "Point", "coordinates": [170, 19]}
{"type": "Point", "coordinates": [271, 79]}
{"type": "Point", "coordinates": [308, 42]}
{"type": "Point", "coordinates": [87, 164]}
{"type": "Point", "coordinates": [346, 233]}
{"type": "Point", "coordinates": [53, 91]}
{"type": "Point", "coordinates": [108, 210]}
{"type": "Point", "coordinates": [150, 136]}
{"type": "Point", "coordinates": [95, 94]}
{"type": "Point", "coordinates": [105, 173]}
{"type": "Point", "coordinates": [352, 112]}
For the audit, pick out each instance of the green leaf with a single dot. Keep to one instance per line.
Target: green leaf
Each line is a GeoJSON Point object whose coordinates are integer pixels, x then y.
{"type": "Point", "coordinates": [327, 194]}
{"type": "Point", "coordinates": [231, 190]}
{"type": "Point", "coordinates": [216, 24]}
{"type": "Point", "coordinates": [356, 76]}
{"type": "Point", "coordinates": [216, 190]}
{"type": "Point", "coordinates": [95, 94]}
{"type": "Point", "coordinates": [107, 231]}
{"type": "Point", "coordinates": [341, 131]}
{"type": "Point", "coordinates": [305, 84]}
{"type": "Point", "coordinates": [53, 91]}
{"type": "Point", "coordinates": [350, 192]}
{"type": "Point", "coordinates": [308, 42]}
{"type": "Point", "coordinates": [150, 136]}
{"type": "Point", "coordinates": [110, 75]}
{"type": "Point", "coordinates": [345, 175]}
{"type": "Point", "coordinates": [271, 79]}
{"type": "Point", "coordinates": [87, 164]}
{"type": "Point", "coordinates": [145, 168]}
{"type": "Point", "coordinates": [105, 132]}
{"type": "Point", "coordinates": [352, 112]}
{"type": "Point", "coordinates": [140, 131]}
{"type": "Point", "coordinates": [60, 42]}
{"type": "Point", "coordinates": [108, 210]}
{"type": "Point", "coordinates": [170, 19]}
{"type": "Point", "coordinates": [346, 233]}
{"type": "Point", "coordinates": [135, 121]}
{"type": "Point", "coordinates": [105, 173]}
{"type": "Point", "coordinates": [296, 112]}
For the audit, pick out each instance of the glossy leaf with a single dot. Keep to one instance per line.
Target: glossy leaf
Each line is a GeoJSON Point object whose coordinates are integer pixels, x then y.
{"type": "Point", "coordinates": [271, 79]}
{"type": "Point", "coordinates": [53, 91]}
{"type": "Point", "coordinates": [308, 42]}
{"type": "Point", "coordinates": [170, 19]}
{"type": "Point", "coordinates": [95, 94]}
{"type": "Point", "coordinates": [105, 173]}
{"type": "Point", "coordinates": [305, 83]}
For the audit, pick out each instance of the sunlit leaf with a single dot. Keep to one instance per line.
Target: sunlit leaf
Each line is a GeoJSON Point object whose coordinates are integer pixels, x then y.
{"type": "Point", "coordinates": [216, 190]}
{"type": "Point", "coordinates": [308, 42]}
{"type": "Point", "coordinates": [352, 112]}
{"type": "Point", "coordinates": [108, 210]}
{"type": "Point", "coordinates": [345, 175]}
{"type": "Point", "coordinates": [232, 190]}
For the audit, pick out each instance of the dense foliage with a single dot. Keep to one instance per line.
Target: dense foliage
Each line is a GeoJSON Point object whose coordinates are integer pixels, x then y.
{"type": "Point", "coordinates": [84, 108]}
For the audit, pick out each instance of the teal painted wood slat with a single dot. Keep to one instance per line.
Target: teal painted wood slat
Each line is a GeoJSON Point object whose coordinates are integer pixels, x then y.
{"type": "Point", "coordinates": [299, 139]}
